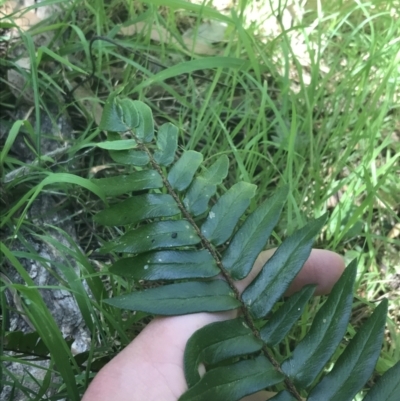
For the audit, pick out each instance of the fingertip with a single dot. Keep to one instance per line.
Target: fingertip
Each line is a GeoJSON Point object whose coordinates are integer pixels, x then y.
{"type": "Point", "coordinates": [322, 268]}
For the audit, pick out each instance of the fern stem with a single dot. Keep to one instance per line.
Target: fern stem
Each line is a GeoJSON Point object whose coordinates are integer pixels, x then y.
{"type": "Point", "coordinates": [207, 245]}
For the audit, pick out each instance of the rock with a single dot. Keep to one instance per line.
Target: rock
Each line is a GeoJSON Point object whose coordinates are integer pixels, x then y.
{"type": "Point", "coordinates": [43, 213]}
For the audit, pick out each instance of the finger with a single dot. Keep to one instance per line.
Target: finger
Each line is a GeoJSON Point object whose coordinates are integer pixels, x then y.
{"type": "Point", "coordinates": [322, 268]}
{"type": "Point", "coordinates": [151, 367]}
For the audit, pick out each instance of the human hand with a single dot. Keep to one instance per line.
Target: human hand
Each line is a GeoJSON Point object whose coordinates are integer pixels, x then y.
{"type": "Point", "coordinates": [151, 367]}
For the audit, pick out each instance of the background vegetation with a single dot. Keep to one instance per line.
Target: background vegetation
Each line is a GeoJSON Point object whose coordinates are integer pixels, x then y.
{"type": "Point", "coordinates": [305, 95]}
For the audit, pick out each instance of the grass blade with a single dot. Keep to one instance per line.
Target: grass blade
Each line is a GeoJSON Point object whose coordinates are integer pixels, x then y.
{"type": "Point", "coordinates": [46, 326]}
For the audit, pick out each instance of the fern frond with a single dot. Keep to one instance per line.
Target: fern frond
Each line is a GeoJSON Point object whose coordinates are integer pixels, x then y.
{"type": "Point", "coordinates": [173, 234]}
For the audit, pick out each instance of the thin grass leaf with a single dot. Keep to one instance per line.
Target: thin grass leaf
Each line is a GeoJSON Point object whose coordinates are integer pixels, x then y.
{"type": "Point", "coordinates": [191, 66]}
{"type": "Point", "coordinates": [167, 143]}
{"type": "Point", "coordinates": [179, 299]}
{"type": "Point", "coordinates": [138, 208]}
{"type": "Point", "coordinates": [35, 84]}
{"type": "Point", "coordinates": [160, 234]}
{"type": "Point", "coordinates": [246, 40]}
{"type": "Point", "coordinates": [137, 181]}
{"type": "Point", "coordinates": [197, 9]}
{"type": "Point", "coordinates": [50, 334]}
{"type": "Point", "coordinates": [61, 60]}
{"type": "Point", "coordinates": [20, 342]}
{"type": "Point", "coordinates": [205, 185]}
{"type": "Point", "coordinates": [356, 364]}
{"type": "Point", "coordinates": [235, 381]}
{"type": "Point", "coordinates": [97, 287]}
{"type": "Point", "coordinates": [52, 178]}
{"type": "Point", "coordinates": [167, 265]}
{"type": "Point", "coordinates": [279, 272]}
{"type": "Point", "coordinates": [15, 382]}
{"type": "Point", "coordinates": [45, 384]}
{"type": "Point", "coordinates": [45, 325]}
{"type": "Point", "coordinates": [327, 330]}
{"type": "Point", "coordinates": [252, 236]}
{"type": "Point", "coordinates": [181, 174]}
{"type": "Point", "coordinates": [217, 342]}
{"type": "Point", "coordinates": [13, 133]}
{"type": "Point", "coordinates": [286, 316]}
{"type": "Point", "coordinates": [144, 83]}
{"type": "Point", "coordinates": [225, 214]}
{"type": "Point", "coordinates": [7, 25]}
{"type": "Point", "coordinates": [114, 322]}
{"type": "Point", "coordinates": [387, 388]}
{"type": "Point", "coordinates": [75, 282]}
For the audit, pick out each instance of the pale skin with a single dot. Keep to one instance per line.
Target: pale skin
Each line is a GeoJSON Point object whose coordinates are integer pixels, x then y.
{"type": "Point", "coordinates": [151, 367]}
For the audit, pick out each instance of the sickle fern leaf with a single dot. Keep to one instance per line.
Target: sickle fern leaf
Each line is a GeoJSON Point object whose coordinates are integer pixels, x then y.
{"type": "Point", "coordinates": [251, 237]}
{"type": "Point", "coordinates": [180, 299]}
{"type": "Point", "coordinates": [167, 265]}
{"type": "Point", "coordinates": [130, 157]}
{"type": "Point", "coordinates": [217, 342]}
{"type": "Point", "coordinates": [387, 388]}
{"type": "Point", "coordinates": [138, 181]}
{"type": "Point", "coordinates": [138, 208]}
{"type": "Point", "coordinates": [171, 233]}
{"type": "Point", "coordinates": [280, 323]}
{"type": "Point", "coordinates": [182, 172]}
{"type": "Point", "coordinates": [225, 214]}
{"type": "Point", "coordinates": [328, 328]}
{"type": "Point", "coordinates": [240, 378]}
{"type": "Point", "coordinates": [204, 186]}
{"type": "Point", "coordinates": [356, 363]}
{"type": "Point", "coordinates": [278, 273]}
{"type": "Point", "coordinates": [167, 143]}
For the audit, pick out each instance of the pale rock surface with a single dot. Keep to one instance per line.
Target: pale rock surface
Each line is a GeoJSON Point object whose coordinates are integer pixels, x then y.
{"type": "Point", "coordinates": [60, 302]}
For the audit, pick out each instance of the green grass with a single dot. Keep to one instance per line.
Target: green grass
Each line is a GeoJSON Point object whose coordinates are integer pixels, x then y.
{"type": "Point", "coordinates": [322, 118]}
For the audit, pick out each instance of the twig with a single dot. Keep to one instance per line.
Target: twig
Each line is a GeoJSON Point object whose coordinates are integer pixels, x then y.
{"type": "Point", "coordinates": [25, 170]}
